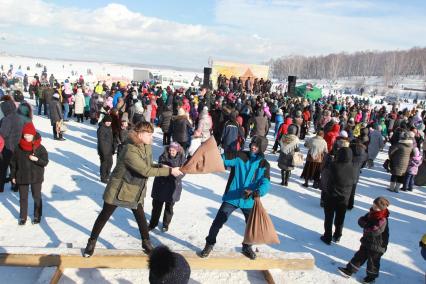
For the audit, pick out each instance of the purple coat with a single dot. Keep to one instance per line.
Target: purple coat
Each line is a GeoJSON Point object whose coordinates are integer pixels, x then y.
{"type": "Point", "coordinates": [413, 166]}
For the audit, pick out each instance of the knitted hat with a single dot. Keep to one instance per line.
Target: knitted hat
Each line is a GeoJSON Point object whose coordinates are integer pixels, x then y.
{"type": "Point", "coordinates": [107, 118]}
{"type": "Point", "coordinates": [166, 267]}
{"type": "Point", "coordinates": [292, 129]}
{"type": "Point", "coordinates": [174, 145]}
{"type": "Point", "coordinates": [381, 202]}
{"type": "Point", "coordinates": [29, 129]}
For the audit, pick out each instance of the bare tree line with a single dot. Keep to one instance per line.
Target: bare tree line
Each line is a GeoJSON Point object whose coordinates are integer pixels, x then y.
{"type": "Point", "coordinates": [387, 64]}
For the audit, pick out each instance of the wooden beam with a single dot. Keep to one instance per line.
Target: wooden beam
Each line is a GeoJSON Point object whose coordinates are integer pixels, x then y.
{"type": "Point", "coordinates": [57, 275]}
{"type": "Point", "coordinates": [268, 277]}
{"type": "Point", "coordinates": [128, 259]}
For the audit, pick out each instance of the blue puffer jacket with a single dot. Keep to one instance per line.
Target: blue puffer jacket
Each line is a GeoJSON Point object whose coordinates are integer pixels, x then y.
{"type": "Point", "coordinates": [246, 173]}
{"type": "Point", "coordinates": [279, 119]}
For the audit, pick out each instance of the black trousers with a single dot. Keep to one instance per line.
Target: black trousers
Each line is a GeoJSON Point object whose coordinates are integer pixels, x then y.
{"type": "Point", "coordinates": [334, 211]}
{"type": "Point", "coordinates": [166, 138]}
{"type": "Point", "coordinates": [363, 255]}
{"type": "Point", "coordinates": [157, 207]}
{"type": "Point", "coordinates": [106, 165]}
{"type": "Point", "coordinates": [56, 134]}
{"type": "Point", "coordinates": [5, 158]}
{"type": "Point", "coordinates": [352, 197]}
{"type": "Point", "coordinates": [106, 213]}
{"type": "Point", "coordinates": [23, 200]}
{"type": "Point", "coordinates": [80, 117]}
{"type": "Point", "coordinates": [285, 175]}
{"type": "Point", "coordinates": [222, 216]}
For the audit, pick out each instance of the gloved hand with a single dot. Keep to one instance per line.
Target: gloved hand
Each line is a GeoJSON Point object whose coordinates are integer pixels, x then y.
{"type": "Point", "coordinates": [247, 193]}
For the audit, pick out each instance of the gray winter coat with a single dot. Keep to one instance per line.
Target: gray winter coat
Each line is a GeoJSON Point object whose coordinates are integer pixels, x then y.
{"type": "Point", "coordinates": [399, 156]}
{"type": "Point", "coordinates": [55, 111]}
{"type": "Point", "coordinates": [376, 143]}
{"type": "Point", "coordinates": [261, 125]}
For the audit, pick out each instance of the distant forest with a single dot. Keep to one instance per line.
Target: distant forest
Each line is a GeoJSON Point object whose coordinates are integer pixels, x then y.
{"type": "Point", "coordinates": [387, 64]}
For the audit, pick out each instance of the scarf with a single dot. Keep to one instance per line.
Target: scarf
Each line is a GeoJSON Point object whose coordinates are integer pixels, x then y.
{"type": "Point", "coordinates": [377, 215]}
{"type": "Point", "coordinates": [317, 147]}
{"type": "Point", "coordinates": [289, 143]}
{"type": "Point", "coordinates": [30, 146]}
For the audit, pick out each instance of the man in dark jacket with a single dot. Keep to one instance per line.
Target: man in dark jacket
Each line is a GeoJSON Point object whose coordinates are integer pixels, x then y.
{"type": "Point", "coordinates": [359, 152]}
{"type": "Point", "coordinates": [337, 194]}
{"type": "Point", "coordinates": [180, 128]}
{"type": "Point", "coordinates": [105, 147]}
{"type": "Point", "coordinates": [231, 134]}
{"type": "Point", "coordinates": [261, 125]}
{"type": "Point", "coordinates": [56, 116]}
{"type": "Point", "coordinates": [165, 122]}
{"type": "Point", "coordinates": [10, 129]}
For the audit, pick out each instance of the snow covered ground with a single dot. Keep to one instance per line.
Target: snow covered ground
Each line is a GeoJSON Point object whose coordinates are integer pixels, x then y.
{"type": "Point", "coordinates": [72, 199]}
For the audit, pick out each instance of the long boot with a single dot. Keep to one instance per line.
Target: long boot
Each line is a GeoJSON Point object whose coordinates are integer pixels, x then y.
{"type": "Point", "coordinates": [283, 177]}
{"type": "Point", "coordinates": [392, 186]}
{"type": "Point", "coordinates": [397, 187]}
{"type": "Point", "coordinates": [287, 176]}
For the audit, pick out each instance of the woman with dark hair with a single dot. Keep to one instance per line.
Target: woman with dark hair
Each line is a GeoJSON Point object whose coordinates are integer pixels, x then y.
{"type": "Point", "coordinates": [127, 184]}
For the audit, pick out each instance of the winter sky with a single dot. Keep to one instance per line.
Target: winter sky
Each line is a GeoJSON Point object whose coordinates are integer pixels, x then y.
{"type": "Point", "coordinates": [186, 33]}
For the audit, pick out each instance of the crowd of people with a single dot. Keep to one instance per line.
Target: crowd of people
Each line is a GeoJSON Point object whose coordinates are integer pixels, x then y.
{"type": "Point", "coordinates": [341, 135]}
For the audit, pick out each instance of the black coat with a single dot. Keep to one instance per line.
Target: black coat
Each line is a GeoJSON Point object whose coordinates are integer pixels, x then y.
{"type": "Point", "coordinates": [26, 171]}
{"type": "Point", "coordinates": [55, 111]}
{"type": "Point", "coordinates": [180, 129]}
{"type": "Point", "coordinates": [376, 234]}
{"type": "Point", "coordinates": [169, 188]}
{"type": "Point", "coordinates": [342, 177]}
{"type": "Point", "coordinates": [165, 120]}
{"type": "Point", "coordinates": [105, 140]}
{"type": "Point", "coordinates": [359, 152]}
{"type": "Point", "coordinates": [10, 125]}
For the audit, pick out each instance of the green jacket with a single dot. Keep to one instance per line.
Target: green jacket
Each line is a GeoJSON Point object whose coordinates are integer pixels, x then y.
{"type": "Point", "coordinates": [127, 184]}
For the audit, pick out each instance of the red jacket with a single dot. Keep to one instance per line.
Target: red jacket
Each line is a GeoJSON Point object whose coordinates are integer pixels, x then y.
{"type": "Point", "coordinates": [306, 115]}
{"type": "Point", "coordinates": [283, 128]}
{"type": "Point", "coordinates": [1, 143]}
{"type": "Point", "coordinates": [331, 136]}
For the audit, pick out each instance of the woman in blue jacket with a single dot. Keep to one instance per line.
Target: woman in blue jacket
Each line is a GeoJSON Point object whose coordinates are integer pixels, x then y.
{"type": "Point", "coordinates": [249, 177]}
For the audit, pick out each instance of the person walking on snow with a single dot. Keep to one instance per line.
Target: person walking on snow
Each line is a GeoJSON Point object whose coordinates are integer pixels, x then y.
{"type": "Point", "coordinates": [250, 177]}
{"type": "Point", "coordinates": [127, 184]}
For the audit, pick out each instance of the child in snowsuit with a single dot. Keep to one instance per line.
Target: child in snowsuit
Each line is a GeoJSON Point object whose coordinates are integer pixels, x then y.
{"type": "Point", "coordinates": [167, 189]}
{"type": "Point", "coordinates": [27, 169]}
{"type": "Point", "coordinates": [413, 168]}
{"type": "Point", "coordinates": [374, 241]}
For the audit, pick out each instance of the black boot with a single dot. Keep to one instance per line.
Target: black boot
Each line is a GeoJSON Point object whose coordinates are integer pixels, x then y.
{"type": "Point", "coordinates": [326, 240]}
{"type": "Point", "coordinates": [22, 222]}
{"type": "Point", "coordinates": [206, 251]}
{"type": "Point", "coordinates": [248, 251]}
{"type": "Point", "coordinates": [90, 248]}
{"type": "Point", "coordinates": [287, 176]}
{"type": "Point", "coordinates": [345, 272]}
{"type": "Point", "coordinates": [306, 184]}
{"type": "Point", "coordinates": [147, 246]}
{"type": "Point", "coordinates": [369, 279]}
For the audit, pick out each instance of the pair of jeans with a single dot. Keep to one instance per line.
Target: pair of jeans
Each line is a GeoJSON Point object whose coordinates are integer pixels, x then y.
{"type": "Point", "coordinates": [23, 200]}
{"type": "Point", "coordinates": [408, 182]}
{"type": "Point", "coordinates": [106, 213]}
{"type": "Point", "coordinates": [157, 207]}
{"type": "Point", "coordinates": [334, 211]}
{"type": "Point", "coordinates": [66, 110]}
{"type": "Point", "coordinates": [222, 216]}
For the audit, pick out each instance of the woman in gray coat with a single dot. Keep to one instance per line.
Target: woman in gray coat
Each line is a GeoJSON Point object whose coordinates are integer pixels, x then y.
{"type": "Point", "coordinates": [289, 144]}
{"type": "Point", "coordinates": [375, 145]}
{"type": "Point", "coordinates": [399, 157]}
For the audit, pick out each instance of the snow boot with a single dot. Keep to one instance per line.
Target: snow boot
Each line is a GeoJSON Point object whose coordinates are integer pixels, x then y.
{"type": "Point", "coordinates": [36, 221]}
{"type": "Point", "coordinates": [369, 279]}
{"type": "Point", "coordinates": [22, 222]}
{"type": "Point", "coordinates": [147, 246]}
{"type": "Point", "coordinates": [336, 239]}
{"type": "Point", "coordinates": [392, 186]}
{"type": "Point", "coordinates": [326, 240]}
{"type": "Point", "coordinates": [206, 251]}
{"type": "Point", "coordinates": [248, 251]}
{"type": "Point", "coordinates": [345, 272]}
{"type": "Point", "coordinates": [90, 248]}
{"type": "Point", "coordinates": [397, 187]}
{"type": "Point", "coordinates": [164, 229]}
